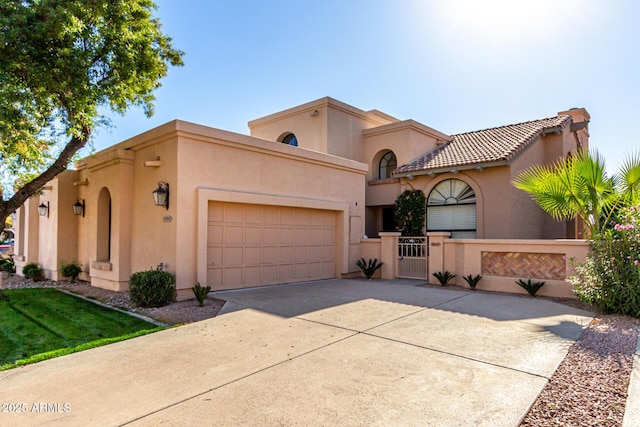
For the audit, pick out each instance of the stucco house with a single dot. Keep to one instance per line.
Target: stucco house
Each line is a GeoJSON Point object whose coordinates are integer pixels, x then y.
{"type": "Point", "coordinates": [289, 202]}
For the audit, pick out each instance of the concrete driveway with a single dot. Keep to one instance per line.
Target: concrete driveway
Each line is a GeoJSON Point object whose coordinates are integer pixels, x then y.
{"type": "Point", "coordinates": [336, 352]}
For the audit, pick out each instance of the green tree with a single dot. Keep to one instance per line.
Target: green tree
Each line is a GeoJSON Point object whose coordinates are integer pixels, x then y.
{"type": "Point", "coordinates": [410, 212]}
{"type": "Point", "coordinates": [60, 62]}
{"type": "Point", "coordinates": [580, 187]}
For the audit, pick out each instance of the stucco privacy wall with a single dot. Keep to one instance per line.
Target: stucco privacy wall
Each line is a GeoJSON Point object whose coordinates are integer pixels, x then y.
{"type": "Point", "coordinates": [509, 260]}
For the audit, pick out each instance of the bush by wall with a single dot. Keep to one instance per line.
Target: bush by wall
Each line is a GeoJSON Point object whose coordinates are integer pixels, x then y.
{"type": "Point", "coordinates": [410, 212]}
{"type": "Point", "coordinates": [70, 269]}
{"type": "Point", "coordinates": [152, 288]}
{"type": "Point", "coordinates": [33, 271]}
{"type": "Point", "coordinates": [610, 276]}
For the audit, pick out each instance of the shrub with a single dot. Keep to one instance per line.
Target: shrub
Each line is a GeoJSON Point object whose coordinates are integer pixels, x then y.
{"type": "Point", "coordinates": [472, 281]}
{"type": "Point", "coordinates": [7, 265]}
{"type": "Point", "coordinates": [443, 278]}
{"type": "Point", "coordinates": [410, 212]}
{"type": "Point", "coordinates": [152, 288]}
{"type": "Point", "coordinates": [610, 277]}
{"type": "Point", "coordinates": [33, 271]}
{"type": "Point", "coordinates": [71, 269]}
{"type": "Point", "coordinates": [369, 267]}
{"type": "Point", "coordinates": [529, 286]}
{"type": "Point", "coordinates": [201, 293]}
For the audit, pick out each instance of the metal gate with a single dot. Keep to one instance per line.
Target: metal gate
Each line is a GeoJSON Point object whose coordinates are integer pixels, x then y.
{"type": "Point", "coordinates": [412, 257]}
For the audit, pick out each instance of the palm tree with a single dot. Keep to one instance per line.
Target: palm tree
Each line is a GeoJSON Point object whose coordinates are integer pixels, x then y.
{"type": "Point", "coordinates": [579, 187]}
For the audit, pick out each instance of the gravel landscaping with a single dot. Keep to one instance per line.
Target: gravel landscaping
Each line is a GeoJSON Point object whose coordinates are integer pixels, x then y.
{"type": "Point", "coordinates": [172, 314]}
{"type": "Point", "coordinates": [589, 388]}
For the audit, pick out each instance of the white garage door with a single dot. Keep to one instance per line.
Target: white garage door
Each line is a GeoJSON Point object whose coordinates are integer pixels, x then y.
{"type": "Point", "coordinates": [254, 245]}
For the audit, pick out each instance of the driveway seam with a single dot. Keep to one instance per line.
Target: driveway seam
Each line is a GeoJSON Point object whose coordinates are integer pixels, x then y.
{"type": "Point", "coordinates": [239, 378]}
{"type": "Point", "coordinates": [368, 333]}
{"type": "Point", "coordinates": [455, 355]}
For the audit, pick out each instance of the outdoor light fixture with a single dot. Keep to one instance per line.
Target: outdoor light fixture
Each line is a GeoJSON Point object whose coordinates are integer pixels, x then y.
{"type": "Point", "coordinates": [43, 209]}
{"type": "Point", "coordinates": [161, 195]}
{"type": "Point", "coordinates": [78, 208]}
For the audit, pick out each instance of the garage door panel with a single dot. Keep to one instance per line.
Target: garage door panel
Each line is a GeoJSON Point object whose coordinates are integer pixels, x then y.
{"type": "Point", "coordinates": [271, 215]}
{"type": "Point", "coordinates": [253, 216]}
{"type": "Point", "coordinates": [315, 254]}
{"type": "Point", "coordinates": [302, 236]}
{"type": "Point", "coordinates": [234, 213]}
{"type": "Point", "coordinates": [287, 216]}
{"type": "Point", "coordinates": [315, 269]}
{"type": "Point", "coordinates": [270, 255]}
{"type": "Point", "coordinates": [232, 256]}
{"type": "Point", "coordinates": [328, 236]}
{"type": "Point", "coordinates": [287, 255]}
{"type": "Point", "coordinates": [302, 254]}
{"type": "Point", "coordinates": [253, 255]}
{"type": "Point", "coordinates": [233, 234]}
{"type": "Point", "coordinates": [316, 218]}
{"type": "Point", "coordinates": [254, 245]}
{"type": "Point", "coordinates": [328, 269]}
{"type": "Point", "coordinates": [214, 256]}
{"type": "Point", "coordinates": [270, 274]}
{"type": "Point", "coordinates": [231, 275]}
{"type": "Point", "coordinates": [253, 235]}
{"type": "Point", "coordinates": [327, 253]}
{"type": "Point", "coordinates": [315, 236]}
{"type": "Point", "coordinates": [215, 234]}
{"type": "Point", "coordinates": [216, 212]}
{"type": "Point", "coordinates": [302, 218]}
{"type": "Point", "coordinates": [270, 235]}
{"type": "Point", "coordinates": [301, 272]}
{"type": "Point", "coordinates": [285, 272]}
{"type": "Point", "coordinates": [253, 276]}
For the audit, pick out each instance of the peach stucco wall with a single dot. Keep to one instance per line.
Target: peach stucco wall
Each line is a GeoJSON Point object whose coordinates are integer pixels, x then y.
{"type": "Point", "coordinates": [464, 257]}
{"type": "Point", "coordinates": [325, 125]}
{"type": "Point", "coordinates": [241, 169]}
{"type": "Point", "coordinates": [200, 164]}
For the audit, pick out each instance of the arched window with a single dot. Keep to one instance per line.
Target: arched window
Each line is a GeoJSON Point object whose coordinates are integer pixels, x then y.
{"type": "Point", "coordinates": [388, 164]}
{"type": "Point", "coordinates": [290, 139]}
{"type": "Point", "coordinates": [451, 206]}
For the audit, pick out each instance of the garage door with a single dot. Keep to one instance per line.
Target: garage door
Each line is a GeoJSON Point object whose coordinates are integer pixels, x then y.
{"type": "Point", "coordinates": [254, 245]}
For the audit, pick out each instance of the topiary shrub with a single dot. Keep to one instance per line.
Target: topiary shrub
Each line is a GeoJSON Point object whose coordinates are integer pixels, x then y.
{"type": "Point", "coordinates": [71, 269]}
{"type": "Point", "coordinates": [33, 271]}
{"type": "Point", "coordinates": [410, 212]}
{"type": "Point", "coordinates": [152, 288]}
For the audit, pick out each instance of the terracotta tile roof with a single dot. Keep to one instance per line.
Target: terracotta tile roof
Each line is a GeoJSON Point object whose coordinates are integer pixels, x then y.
{"type": "Point", "coordinates": [498, 144]}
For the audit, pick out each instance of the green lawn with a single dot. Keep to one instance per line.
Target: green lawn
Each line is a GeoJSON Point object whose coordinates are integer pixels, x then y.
{"type": "Point", "coordinates": [37, 321]}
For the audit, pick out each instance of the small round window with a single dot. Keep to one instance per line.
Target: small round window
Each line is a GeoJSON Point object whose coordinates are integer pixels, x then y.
{"type": "Point", "coordinates": [290, 139]}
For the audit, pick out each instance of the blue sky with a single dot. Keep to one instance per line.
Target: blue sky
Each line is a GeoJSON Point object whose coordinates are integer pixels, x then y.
{"type": "Point", "coordinates": [454, 65]}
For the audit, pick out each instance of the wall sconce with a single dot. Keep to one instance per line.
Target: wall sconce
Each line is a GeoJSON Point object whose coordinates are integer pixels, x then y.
{"type": "Point", "coordinates": [161, 195]}
{"type": "Point", "coordinates": [43, 209]}
{"type": "Point", "coordinates": [78, 208]}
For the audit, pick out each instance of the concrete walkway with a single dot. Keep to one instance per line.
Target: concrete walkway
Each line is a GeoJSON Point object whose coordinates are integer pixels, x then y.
{"type": "Point", "coordinates": [337, 352]}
